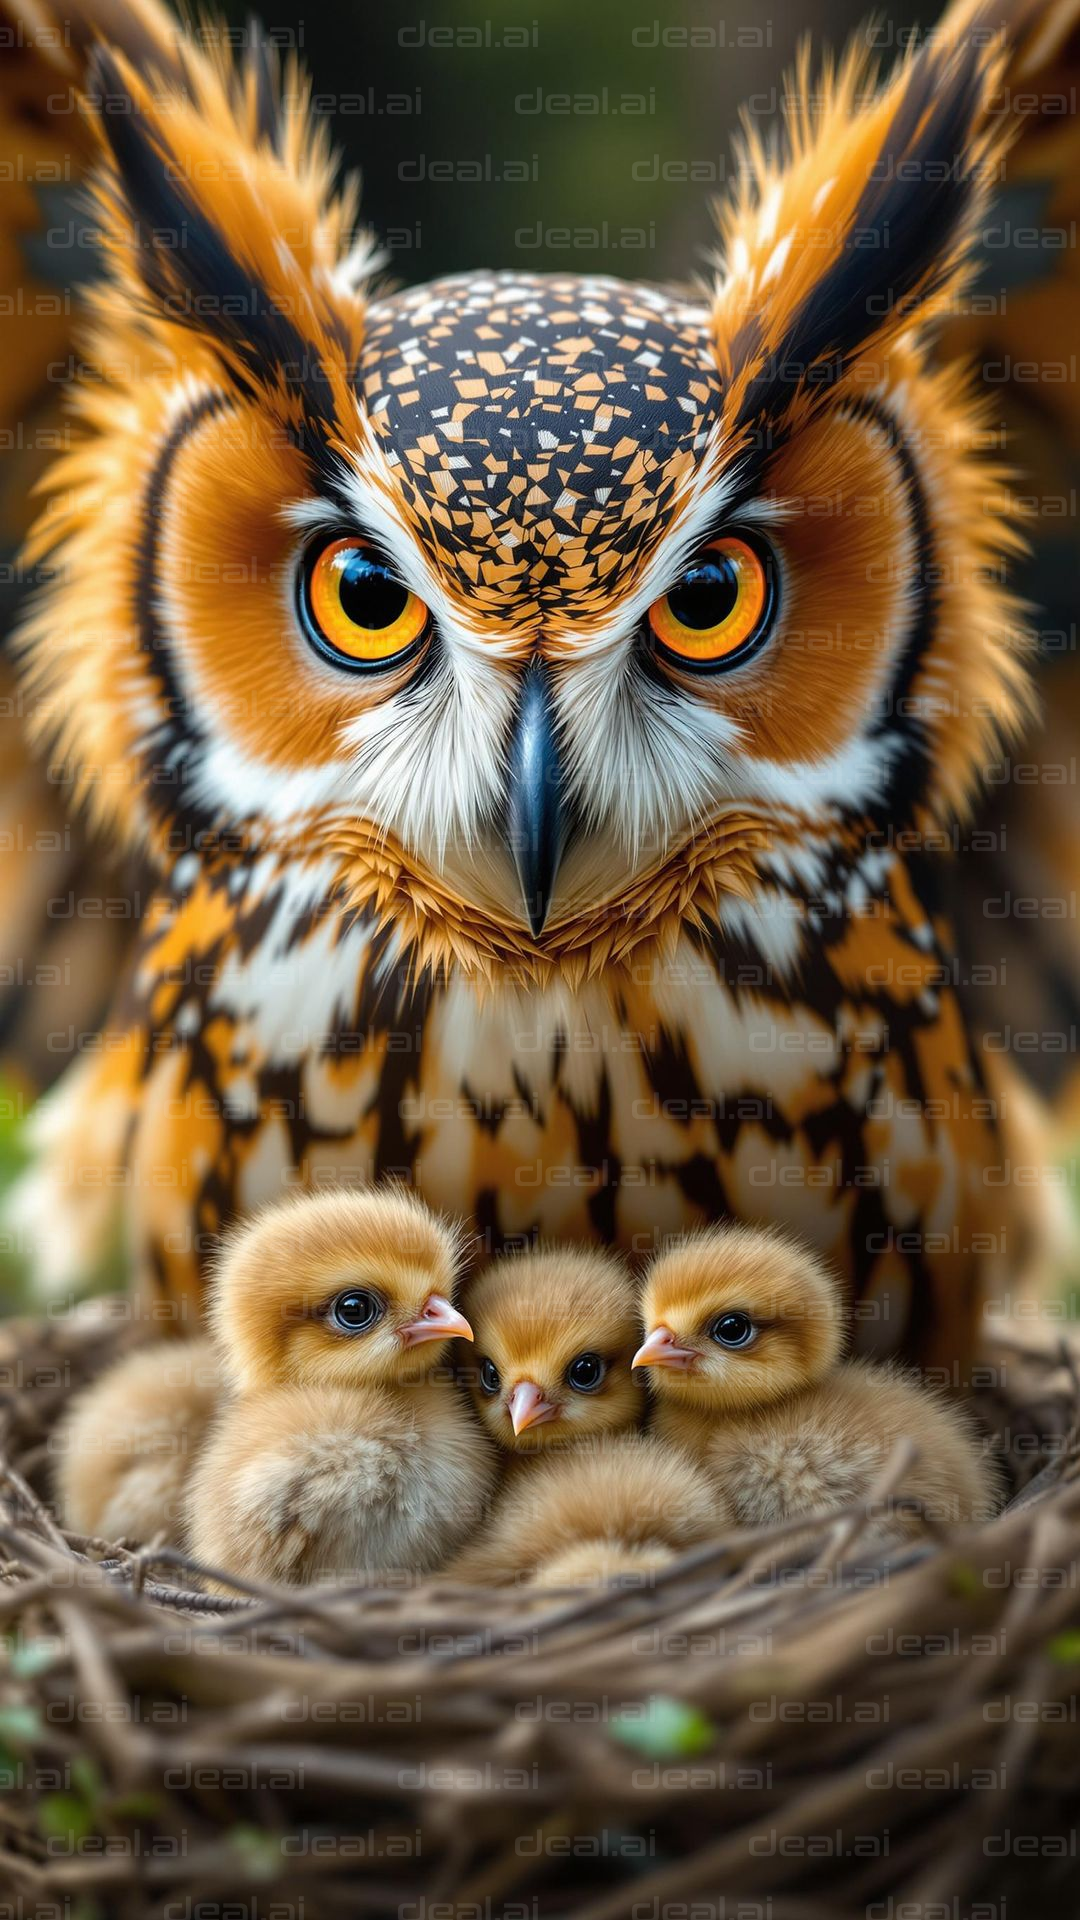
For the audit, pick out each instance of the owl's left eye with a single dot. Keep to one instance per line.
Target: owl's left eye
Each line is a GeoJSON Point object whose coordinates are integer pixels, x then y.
{"type": "Point", "coordinates": [722, 608]}
{"type": "Point", "coordinates": [354, 612]}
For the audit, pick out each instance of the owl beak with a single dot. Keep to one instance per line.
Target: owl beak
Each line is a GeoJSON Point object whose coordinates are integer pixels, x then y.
{"type": "Point", "coordinates": [535, 813]}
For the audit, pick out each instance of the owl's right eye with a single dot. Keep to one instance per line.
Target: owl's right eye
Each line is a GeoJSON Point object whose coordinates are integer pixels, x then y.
{"type": "Point", "coordinates": [354, 612]}
{"type": "Point", "coordinates": [489, 1376]}
{"type": "Point", "coordinates": [721, 610]}
{"type": "Point", "coordinates": [356, 1310]}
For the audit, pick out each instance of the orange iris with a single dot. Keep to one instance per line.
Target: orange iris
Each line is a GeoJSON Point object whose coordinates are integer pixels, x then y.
{"type": "Point", "coordinates": [358, 608]}
{"type": "Point", "coordinates": [719, 607]}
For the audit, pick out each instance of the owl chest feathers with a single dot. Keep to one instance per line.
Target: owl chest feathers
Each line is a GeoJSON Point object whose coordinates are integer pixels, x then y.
{"type": "Point", "coordinates": [288, 1042]}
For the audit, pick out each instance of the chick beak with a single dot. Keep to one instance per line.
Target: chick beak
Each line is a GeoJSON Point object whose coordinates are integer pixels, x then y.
{"type": "Point", "coordinates": [528, 1408]}
{"type": "Point", "coordinates": [535, 811]}
{"type": "Point", "coordinates": [662, 1349]}
{"type": "Point", "coordinates": [437, 1320]}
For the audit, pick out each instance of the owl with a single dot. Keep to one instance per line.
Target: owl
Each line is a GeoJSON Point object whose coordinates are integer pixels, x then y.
{"type": "Point", "coordinates": [545, 705]}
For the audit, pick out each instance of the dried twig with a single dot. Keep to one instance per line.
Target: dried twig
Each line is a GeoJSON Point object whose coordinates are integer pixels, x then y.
{"type": "Point", "coordinates": [499, 1745]}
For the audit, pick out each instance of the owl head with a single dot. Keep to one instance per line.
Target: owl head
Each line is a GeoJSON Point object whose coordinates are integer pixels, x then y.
{"type": "Point", "coordinates": [554, 615]}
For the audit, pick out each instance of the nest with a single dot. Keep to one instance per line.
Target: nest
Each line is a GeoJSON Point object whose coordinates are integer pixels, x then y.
{"type": "Point", "coordinates": [785, 1731]}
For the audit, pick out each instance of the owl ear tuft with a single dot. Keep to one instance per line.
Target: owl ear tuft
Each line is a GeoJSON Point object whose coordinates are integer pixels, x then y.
{"type": "Point", "coordinates": [863, 229]}
{"type": "Point", "coordinates": [220, 218]}
{"type": "Point", "coordinates": [913, 218]}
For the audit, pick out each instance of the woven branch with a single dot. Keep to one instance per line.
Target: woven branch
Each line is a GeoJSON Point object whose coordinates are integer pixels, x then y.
{"type": "Point", "coordinates": [777, 1716]}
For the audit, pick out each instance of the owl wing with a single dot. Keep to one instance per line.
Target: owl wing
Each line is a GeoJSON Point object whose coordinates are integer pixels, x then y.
{"type": "Point", "coordinates": [46, 241]}
{"type": "Point", "coordinates": [1018, 328]}
{"type": "Point", "coordinates": [65, 911]}
{"type": "Point", "coordinates": [1021, 318]}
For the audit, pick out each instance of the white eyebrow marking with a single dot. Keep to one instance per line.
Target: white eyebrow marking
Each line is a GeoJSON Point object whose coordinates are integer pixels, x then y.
{"type": "Point", "coordinates": [822, 194]}
{"type": "Point", "coordinates": [767, 217]}
{"type": "Point", "coordinates": [775, 263]}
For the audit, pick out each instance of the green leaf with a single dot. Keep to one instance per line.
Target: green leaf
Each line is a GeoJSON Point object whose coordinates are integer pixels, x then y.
{"type": "Point", "coordinates": [86, 1777]}
{"type": "Point", "coordinates": [1065, 1648]}
{"type": "Point", "coordinates": [32, 1657]}
{"type": "Point", "coordinates": [9, 1770]}
{"type": "Point", "coordinates": [668, 1726]}
{"type": "Point", "coordinates": [20, 1724]}
{"type": "Point", "coordinates": [261, 1851]}
{"type": "Point", "coordinates": [63, 1816]}
{"type": "Point", "coordinates": [13, 1115]}
{"type": "Point", "coordinates": [963, 1582]}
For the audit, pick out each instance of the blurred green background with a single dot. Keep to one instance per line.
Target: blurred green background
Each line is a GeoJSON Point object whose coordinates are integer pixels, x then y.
{"type": "Point", "coordinates": [611, 120]}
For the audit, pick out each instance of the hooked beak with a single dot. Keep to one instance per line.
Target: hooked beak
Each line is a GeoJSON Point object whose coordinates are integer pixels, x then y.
{"type": "Point", "coordinates": [528, 1408]}
{"type": "Point", "coordinates": [437, 1320]}
{"type": "Point", "coordinates": [662, 1349]}
{"type": "Point", "coordinates": [535, 814]}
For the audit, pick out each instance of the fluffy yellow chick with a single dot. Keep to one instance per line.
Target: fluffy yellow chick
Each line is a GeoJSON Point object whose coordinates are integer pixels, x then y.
{"type": "Point", "coordinates": [620, 1507]}
{"type": "Point", "coordinates": [345, 1444]}
{"type": "Point", "coordinates": [554, 1335]}
{"type": "Point", "coordinates": [744, 1334]}
{"type": "Point", "coordinates": [125, 1452]}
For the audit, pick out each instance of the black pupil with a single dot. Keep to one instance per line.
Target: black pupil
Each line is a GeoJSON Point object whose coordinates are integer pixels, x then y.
{"type": "Point", "coordinates": [489, 1377]}
{"type": "Point", "coordinates": [585, 1371]}
{"type": "Point", "coordinates": [733, 1329]}
{"type": "Point", "coordinates": [370, 596]}
{"type": "Point", "coordinates": [356, 1310]}
{"type": "Point", "coordinates": [706, 595]}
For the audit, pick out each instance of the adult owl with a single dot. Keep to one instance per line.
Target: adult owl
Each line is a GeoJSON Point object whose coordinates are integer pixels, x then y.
{"type": "Point", "coordinates": [541, 701]}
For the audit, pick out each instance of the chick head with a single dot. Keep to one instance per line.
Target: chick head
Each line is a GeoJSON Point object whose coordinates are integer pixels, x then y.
{"type": "Point", "coordinates": [554, 1334]}
{"type": "Point", "coordinates": [347, 1288]}
{"type": "Point", "coordinates": [736, 1317]}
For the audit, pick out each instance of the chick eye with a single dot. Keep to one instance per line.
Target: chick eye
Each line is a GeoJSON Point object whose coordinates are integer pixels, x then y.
{"type": "Point", "coordinates": [489, 1376]}
{"type": "Point", "coordinates": [356, 1310]}
{"type": "Point", "coordinates": [732, 1330]}
{"type": "Point", "coordinates": [585, 1372]}
{"type": "Point", "coordinates": [722, 608]}
{"type": "Point", "coordinates": [354, 612]}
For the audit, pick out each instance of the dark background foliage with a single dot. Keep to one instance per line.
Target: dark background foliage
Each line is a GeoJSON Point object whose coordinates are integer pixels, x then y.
{"type": "Point", "coordinates": [588, 137]}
